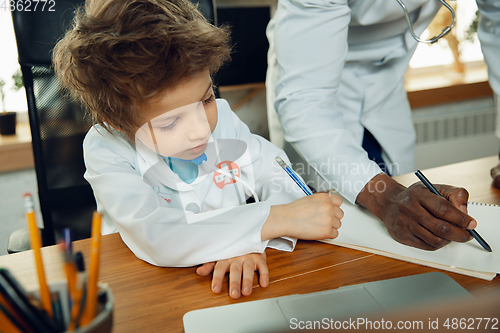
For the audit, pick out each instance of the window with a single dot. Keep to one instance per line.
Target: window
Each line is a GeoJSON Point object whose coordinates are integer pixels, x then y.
{"type": "Point", "coordinates": [15, 100]}
{"type": "Point", "coordinates": [434, 65]}
{"type": "Point", "coordinates": [439, 53]}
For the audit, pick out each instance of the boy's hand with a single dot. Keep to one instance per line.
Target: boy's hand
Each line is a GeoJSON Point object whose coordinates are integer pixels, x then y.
{"type": "Point", "coordinates": [313, 217]}
{"type": "Point", "coordinates": [241, 270]}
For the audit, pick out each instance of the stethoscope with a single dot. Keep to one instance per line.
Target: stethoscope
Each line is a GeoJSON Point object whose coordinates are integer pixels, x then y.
{"type": "Point", "coordinates": [435, 38]}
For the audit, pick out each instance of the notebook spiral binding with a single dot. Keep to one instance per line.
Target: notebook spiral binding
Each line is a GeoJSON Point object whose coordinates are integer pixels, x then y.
{"type": "Point", "coordinates": [482, 204]}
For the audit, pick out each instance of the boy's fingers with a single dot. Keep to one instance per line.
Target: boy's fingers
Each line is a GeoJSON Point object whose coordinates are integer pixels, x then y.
{"type": "Point", "coordinates": [336, 200]}
{"type": "Point", "coordinates": [247, 282]}
{"type": "Point", "coordinates": [337, 223]}
{"type": "Point", "coordinates": [235, 280]}
{"type": "Point", "coordinates": [263, 273]}
{"type": "Point", "coordinates": [333, 234]}
{"type": "Point", "coordinates": [338, 213]}
{"type": "Point", "coordinates": [206, 269]}
{"type": "Point", "coordinates": [219, 272]}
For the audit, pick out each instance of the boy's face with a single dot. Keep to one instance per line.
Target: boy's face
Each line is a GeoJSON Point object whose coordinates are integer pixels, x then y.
{"type": "Point", "coordinates": [180, 121]}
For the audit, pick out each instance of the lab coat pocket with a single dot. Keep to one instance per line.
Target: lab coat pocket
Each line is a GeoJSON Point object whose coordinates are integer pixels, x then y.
{"type": "Point", "coordinates": [165, 197]}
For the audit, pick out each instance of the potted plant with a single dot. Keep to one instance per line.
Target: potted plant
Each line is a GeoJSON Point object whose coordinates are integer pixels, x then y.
{"type": "Point", "coordinates": [7, 119]}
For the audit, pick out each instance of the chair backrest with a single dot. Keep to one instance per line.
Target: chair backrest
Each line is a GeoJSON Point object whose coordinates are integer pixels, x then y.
{"type": "Point", "coordinates": [58, 125]}
{"type": "Point", "coordinates": [208, 9]}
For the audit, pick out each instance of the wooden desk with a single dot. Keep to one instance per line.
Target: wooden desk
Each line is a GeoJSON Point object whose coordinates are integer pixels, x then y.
{"type": "Point", "coordinates": [152, 299]}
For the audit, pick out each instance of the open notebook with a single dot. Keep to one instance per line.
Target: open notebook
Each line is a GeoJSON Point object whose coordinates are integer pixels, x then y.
{"type": "Point", "coordinates": [362, 231]}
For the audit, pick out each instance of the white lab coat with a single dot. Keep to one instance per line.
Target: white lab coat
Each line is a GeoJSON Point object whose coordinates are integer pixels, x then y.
{"type": "Point", "coordinates": [152, 208]}
{"type": "Point", "coordinates": [489, 35]}
{"type": "Point", "coordinates": [337, 67]}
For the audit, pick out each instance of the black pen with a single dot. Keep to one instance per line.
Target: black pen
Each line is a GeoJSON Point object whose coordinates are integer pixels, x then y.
{"type": "Point", "coordinates": [431, 188]}
{"type": "Point", "coordinates": [14, 294]}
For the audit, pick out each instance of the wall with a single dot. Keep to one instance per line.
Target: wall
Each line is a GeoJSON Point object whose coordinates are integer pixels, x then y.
{"type": "Point", "coordinates": [455, 132]}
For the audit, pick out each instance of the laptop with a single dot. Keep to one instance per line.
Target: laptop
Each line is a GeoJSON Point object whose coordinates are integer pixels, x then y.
{"type": "Point", "coordinates": [289, 313]}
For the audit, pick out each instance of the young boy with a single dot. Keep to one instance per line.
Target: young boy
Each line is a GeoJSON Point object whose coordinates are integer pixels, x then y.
{"type": "Point", "coordinates": [170, 166]}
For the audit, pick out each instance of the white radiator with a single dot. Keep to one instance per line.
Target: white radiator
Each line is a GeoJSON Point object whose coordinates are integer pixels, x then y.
{"type": "Point", "coordinates": [455, 132]}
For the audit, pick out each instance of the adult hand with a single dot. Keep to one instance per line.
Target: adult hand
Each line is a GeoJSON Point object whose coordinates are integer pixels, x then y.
{"type": "Point", "coordinates": [313, 217]}
{"type": "Point", "coordinates": [241, 271]}
{"type": "Point", "coordinates": [495, 174]}
{"type": "Point", "coordinates": [415, 216]}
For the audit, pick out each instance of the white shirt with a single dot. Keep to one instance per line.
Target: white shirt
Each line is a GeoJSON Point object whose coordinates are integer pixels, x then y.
{"type": "Point", "coordinates": [489, 35]}
{"type": "Point", "coordinates": [152, 208]}
{"type": "Point", "coordinates": [337, 67]}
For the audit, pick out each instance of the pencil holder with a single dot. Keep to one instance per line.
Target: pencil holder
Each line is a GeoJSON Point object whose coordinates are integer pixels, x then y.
{"type": "Point", "coordinates": [102, 322]}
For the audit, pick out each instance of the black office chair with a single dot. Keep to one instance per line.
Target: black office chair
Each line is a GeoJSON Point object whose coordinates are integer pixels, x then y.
{"type": "Point", "coordinates": [208, 9]}
{"type": "Point", "coordinates": [58, 126]}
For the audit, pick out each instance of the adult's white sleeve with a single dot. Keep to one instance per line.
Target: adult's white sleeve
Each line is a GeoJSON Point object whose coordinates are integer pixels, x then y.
{"type": "Point", "coordinates": [311, 44]}
{"type": "Point", "coordinates": [489, 35]}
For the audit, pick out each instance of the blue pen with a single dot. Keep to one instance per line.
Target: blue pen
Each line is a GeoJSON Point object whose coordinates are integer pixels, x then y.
{"type": "Point", "coordinates": [294, 176]}
{"type": "Point", "coordinates": [67, 240]}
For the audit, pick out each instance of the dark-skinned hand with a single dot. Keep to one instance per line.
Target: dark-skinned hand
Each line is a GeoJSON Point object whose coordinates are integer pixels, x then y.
{"type": "Point", "coordinates": [495, 174]}
{"type": "Point", "coordinates": [415, 216]}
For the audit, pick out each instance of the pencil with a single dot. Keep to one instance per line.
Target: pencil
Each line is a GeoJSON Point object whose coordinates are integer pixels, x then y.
{"type": "Point", "coordinates": [80, 293]}
{"type": "Point", "coordinates": [289, 171]}
{"type": "Point", "coordinates": [8, 325]}
{"type": "Point", "coordinates": [431, 188]}
{"type": "Point", "coordinates": [36, 245]}
{"type": "Point", "coordinates": [70, 270]}
{"type": "Point", "coordinates": [95, 251]}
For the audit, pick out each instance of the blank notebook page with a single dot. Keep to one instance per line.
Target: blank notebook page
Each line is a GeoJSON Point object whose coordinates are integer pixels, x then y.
{"type": "Point", "coordinates": [363, 231]}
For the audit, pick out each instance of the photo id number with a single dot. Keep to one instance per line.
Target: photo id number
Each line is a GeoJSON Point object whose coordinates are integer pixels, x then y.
{"type": "Point", "coordinates": [28, 5]}
{"type": "Point", "coordinates": [471, 323]}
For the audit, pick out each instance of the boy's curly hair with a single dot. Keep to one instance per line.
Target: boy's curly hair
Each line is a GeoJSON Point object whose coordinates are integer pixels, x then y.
{"type": "Point", "coordinates": [120, 53]}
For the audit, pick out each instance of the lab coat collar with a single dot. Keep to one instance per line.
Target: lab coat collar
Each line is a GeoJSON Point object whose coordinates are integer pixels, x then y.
{"type": "Point", "coordinates": [153, 165]}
